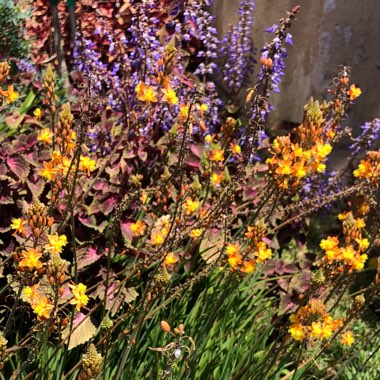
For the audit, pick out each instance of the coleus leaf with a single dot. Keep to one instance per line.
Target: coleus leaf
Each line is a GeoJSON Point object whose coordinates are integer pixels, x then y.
{"type": "Point", "coordinates": [82, 331]}
{"type": "Point", "coordinates": [87, 256]}
{"type": "Point", "coordinates": [126, 231]}
{"type": "Point", "coordinates": [6, 200]}
{"type": "Point", "coordinates": [211, 246]}
{"type": "Point", "coordinates": [36, 188]}
{"type": "Point", "coordinates": [19, 166]}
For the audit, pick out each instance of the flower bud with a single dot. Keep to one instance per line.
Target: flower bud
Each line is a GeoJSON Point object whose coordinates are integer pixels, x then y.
{"type": "Point", "coordinates": [165, 327]}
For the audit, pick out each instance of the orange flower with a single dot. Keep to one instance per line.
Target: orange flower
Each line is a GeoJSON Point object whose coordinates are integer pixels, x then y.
{"type": "Point", "coordinates": [56, 243]}
{"type": "Point", "coordinates": [30, 259]}
{"type": "Point", "coordinates": [217, 179]}
{"type": "Point", "coordinates": [170, 259]}
{"type": "Point", "coordinates": [157, 238]}
{"type": "Point", "coordinates": [11, 95]}
{"type": "Point", "coordinates": [41, 305]}
{"type": "Point", "coordinates": [248, 266]}
{"type": "Point", "coordinates": [146, 93]}
{"type": "Point", "coordinates": [235, 149]}
{"type": "Point", "coordinates": [170, 95]}
{"type": "Point", "coordinates": [217, 155]}
{"type": "Point", "coordinates": [232, 249]}
{"type": "Point", "coordinates": [37, 113]}
{"type": "Point", "coordinates": [18, 226]}
{"type": "Point", "coordinates": [354, 92]}
{"type": "Point", "coordinates": [190, 206]}
{"type": "Point", "coordinates": [45, 136]}
{"type": "Point", "coordinates": [48, 171]}
{"type": "Point", "coordinates": [235, 260]}
{"type": "Point", "coordinates": [297, 331]}
{"type": "Point", "coordinates": [347, 338]}
{"type": "Point", "coordinates": [138, 228]}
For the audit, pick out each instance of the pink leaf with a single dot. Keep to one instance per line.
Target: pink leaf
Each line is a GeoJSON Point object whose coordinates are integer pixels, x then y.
{"type": "Point", "coordinates": [126, 230]}
{"type": "Point", "coordinates": [18, 166]}
{"type": "Point", "coordinates": [87, 256]}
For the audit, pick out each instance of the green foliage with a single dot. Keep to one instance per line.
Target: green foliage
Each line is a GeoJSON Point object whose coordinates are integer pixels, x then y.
{"type": "Point", "coordinates": [12, 43]}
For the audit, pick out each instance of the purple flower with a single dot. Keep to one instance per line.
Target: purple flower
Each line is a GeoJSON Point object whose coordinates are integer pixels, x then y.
{"type": "Point", "coordinates": [289, 39]}
{"type": "Point", "coordinates": [271, 29]}
{"type": "Point", "coordinates": [237, 50]}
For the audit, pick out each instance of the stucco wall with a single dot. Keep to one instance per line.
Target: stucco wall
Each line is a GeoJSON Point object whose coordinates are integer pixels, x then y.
{"type": "Point", "coordinates": [328, 33]}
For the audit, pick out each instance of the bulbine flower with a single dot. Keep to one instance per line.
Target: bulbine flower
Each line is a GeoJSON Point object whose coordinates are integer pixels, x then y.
{"type": "Point", "coordinates": [80, 298]}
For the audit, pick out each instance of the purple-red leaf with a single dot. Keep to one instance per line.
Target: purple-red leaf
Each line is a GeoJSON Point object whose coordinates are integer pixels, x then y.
{"type": "Point", "coordinates": [18, 166]}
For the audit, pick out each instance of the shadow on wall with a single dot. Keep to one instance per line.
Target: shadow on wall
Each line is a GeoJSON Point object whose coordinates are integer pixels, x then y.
{"type": "Point", "coordinates": [327, 34]}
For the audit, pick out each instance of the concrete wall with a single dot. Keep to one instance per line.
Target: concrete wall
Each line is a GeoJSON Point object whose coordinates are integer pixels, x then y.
{"type": "Point", "coordinates": [328, 33]}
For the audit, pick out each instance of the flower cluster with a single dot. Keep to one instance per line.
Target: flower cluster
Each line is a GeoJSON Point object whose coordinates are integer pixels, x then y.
{"type": "Point", "coordinates": [254, 248]}
{"type": "Point", "coordinates": [313, 322]}
{"type": "Point", "coordinates": [369, 168]}
{"type": "Point", "coordinates": [303, 154]}
{"type": "Point", "coordinates": [351, 255]}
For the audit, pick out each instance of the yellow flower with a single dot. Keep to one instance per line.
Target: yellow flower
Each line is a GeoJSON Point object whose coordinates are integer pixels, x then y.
{"type": "Point", "coordinates": [360, 223]}
{"type": "Point", "coordinates": [327, 328]}
{"type": "Point", "coordinates": [37, 113]}
{"type": "Point", "coordinates": [330, 243]}
{"type": "Point", "coordinates": [232, 249]}
{"type": "Point", "coordinates": [348, 253]}
{"type": "Point", "coordinates": [217, 155]}
{"type": "Point", "coordinates": [10, 94]}
{"type": "Point", "coordinates": [30, 259]}
{"type": "Point", "coordinates": [358, 262]}
{"type": "Point", "coordinates": [347, 338]}
{"type": "Point", "coordinates": [56, 243]}
{"type": "Point", "coordinates": [354, 92]}
{"type": "Point", "coordinates": [248, 266]}
{"type": "Point", "coordinates": [80, 298]}
{"type": "Point", "coordinates": [138, 228]}
{"type": "Point", "coordinates": [41, 305]}
{"type": "Point", "coordinates": [321, 168]}
{"type": "Point", "coordinates": [262, 252]}
{"type": "Point", "coordinates": [195, 233]}
{"type": "Point", "coordinates": [146, 93]}
{"type": "Point", "coordinates": [45, 136]}
{"type": "Point", "coordinates": [297, 332]}
{"type": "Point", "coordinates": [208, 139]}
{"type": "Point", "coordinates": [236, 149]}
{"type": "Point", "coordinates": [324, 150]}
{"type": "Point", "coordinates": [190, 206]}
{"type": "Point", "coordinates": [86, 164]}
{"type": "Point", "coordinates": [363, 244]}
{"type": "Point", "coordinates": [170, 259]}
{"type": "Point", "coordinates": [48, 171]}
{"type": "Point", "coordinates": [150, 95]}
{"type": "Point", "coordinates": [18, 226]}
{"type": "Point", "coordinates": [144, 197]}
{"type": "Point", "coordinates": [316, 330]}
{"type": "Point", "coordinates": [216, 179]}
{"type": "Point", "coordinates": [170, 95]}
{"type": "Point", "coordinates": [29, 293]}
{"type": "Point", "coordinates": [235, 260]}
{"type": "Point", "coordinates": [157, 238]}
{"type": "Point", "coordinates": [184, 111]}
